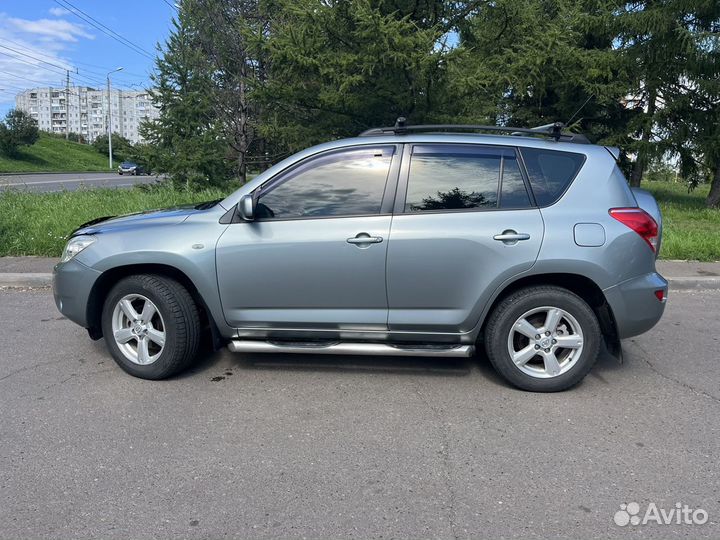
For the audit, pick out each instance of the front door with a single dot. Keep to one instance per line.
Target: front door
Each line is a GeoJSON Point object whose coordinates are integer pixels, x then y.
{"type": "Point", "coordinates": [314, 258]}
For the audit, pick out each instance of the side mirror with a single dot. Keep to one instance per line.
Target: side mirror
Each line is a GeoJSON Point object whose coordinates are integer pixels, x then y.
{"type": "Point", "coordinates": [246, 208]}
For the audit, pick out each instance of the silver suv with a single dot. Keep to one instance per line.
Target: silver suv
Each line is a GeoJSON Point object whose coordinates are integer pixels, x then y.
{"type": "Point", "coordinates": [403, 241]}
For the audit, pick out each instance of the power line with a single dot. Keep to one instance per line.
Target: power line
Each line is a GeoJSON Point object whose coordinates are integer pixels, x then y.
{"type": "Point", "coordinates": [104, 29]}
{"type": "Point", "coordinates": [172, 5]}
{"type": "Point", "coordinates": [105, 68]}
{"type": "Point", "coordinates": [83, 80]}
{"type": "Point", "coordinates": [30, 63]}
{"type": "Point", "coordinates": [34, 57]}
{"type": "Point", "coordinates": [24, 50]}
{"type": "Point", "coordinates": [23, 78]}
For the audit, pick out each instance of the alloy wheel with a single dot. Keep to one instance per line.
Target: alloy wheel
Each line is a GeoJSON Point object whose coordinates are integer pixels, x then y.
{"type": "Point", "coordinates": [138, 329]}
{"type": "Point", "coordinates": [545, 342]}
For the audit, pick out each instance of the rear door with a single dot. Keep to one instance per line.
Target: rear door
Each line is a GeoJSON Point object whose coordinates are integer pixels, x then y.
{"type": "Point", "coordinates": [464, 221]}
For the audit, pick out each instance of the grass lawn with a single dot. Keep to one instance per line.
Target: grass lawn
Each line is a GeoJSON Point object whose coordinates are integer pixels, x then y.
{"type": "Point", "coordinates": [691, 231]}
{"type": "Point", "coordinates": [37, 223]}
{"type": "Point", "coordinates": [51, 154]}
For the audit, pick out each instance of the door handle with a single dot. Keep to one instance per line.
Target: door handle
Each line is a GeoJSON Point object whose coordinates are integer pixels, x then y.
{"type": "Point", "coordinates": [364, 238]}
{"type": "Point", "coordinates": [511, 237]}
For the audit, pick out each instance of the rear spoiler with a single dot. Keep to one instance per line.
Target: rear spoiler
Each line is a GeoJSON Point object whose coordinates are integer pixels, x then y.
{"type": "Point", "coordinates": [614, 152]}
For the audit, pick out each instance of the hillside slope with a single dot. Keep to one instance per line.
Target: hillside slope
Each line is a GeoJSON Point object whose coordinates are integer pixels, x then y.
{"type": "Point", "coordinates": [52, 154]}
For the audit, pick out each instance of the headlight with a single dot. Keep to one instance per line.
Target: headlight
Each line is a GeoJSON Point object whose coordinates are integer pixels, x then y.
{"type": "Point", "coordinates": [75, 246]}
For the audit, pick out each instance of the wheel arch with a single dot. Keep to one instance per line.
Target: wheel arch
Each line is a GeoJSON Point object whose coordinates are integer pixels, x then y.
{"type": "Point", "coordinates": [578, 284]}
{"type": "Point", "coordinates": [110, 277]}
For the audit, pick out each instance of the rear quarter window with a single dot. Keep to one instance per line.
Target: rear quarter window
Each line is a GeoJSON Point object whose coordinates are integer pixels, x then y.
{"type": "Point", "coordinates": [550, 172]}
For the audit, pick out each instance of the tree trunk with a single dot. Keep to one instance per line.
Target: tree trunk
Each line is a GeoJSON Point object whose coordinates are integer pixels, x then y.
{"type": "Point", "coordinates": [713, 199]}
{"type": "Point", "coordinates": [642, 159]}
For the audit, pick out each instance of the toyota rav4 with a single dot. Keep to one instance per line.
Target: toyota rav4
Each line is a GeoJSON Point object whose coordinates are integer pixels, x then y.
{"type": "Point", "coordinates": [408, 240]}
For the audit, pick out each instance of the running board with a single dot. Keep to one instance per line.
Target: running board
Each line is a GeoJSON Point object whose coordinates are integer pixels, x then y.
{"type": "Point", "coordinates": [375, 349]}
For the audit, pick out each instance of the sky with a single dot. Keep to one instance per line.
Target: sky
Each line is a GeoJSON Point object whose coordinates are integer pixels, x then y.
{"type": "Point", "coordinates": [41, 39]}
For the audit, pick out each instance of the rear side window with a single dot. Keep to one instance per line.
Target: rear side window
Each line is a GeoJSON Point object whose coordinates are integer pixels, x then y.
{"type": "Point", "coordinates": [550, 172]}
{"type": "Point", "coordinates": [447, 177]}
{"type": "Point", "coordinates": [513, 193]}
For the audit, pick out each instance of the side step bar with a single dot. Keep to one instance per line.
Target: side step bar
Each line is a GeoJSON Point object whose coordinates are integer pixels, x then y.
{"type": "Point", "coordinates": [379, 349]}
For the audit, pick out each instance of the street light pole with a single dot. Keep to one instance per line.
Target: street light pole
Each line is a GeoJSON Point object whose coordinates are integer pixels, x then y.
{"type": "Point", "coordinates": [110, 117]}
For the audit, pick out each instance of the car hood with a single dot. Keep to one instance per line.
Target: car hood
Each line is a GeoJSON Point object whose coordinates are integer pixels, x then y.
{"type": "Point", "coordinates": [164, 216]}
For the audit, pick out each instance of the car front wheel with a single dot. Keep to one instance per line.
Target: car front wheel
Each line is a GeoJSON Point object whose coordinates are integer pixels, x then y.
{"type": "Point", "coordinates": [543, 338]}
{"type": "Point", "coordinates": [151, 326]}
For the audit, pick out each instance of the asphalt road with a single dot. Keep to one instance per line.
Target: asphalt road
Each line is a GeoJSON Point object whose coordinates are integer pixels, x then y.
{"type": "Point", "coordinates": [70, 181]}
{"type": "Point", "coordinates": [288, 446]}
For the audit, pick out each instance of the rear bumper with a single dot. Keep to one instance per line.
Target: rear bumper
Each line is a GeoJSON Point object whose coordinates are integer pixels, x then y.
{"type": "Point", "coordinates": [634, 305]}
{"type": "Point", "coordinates": [72, 283]}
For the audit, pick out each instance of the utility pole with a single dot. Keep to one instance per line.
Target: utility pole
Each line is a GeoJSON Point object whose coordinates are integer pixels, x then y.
{"type": "Point", "coordinates": [110, 117]}
{"type": "Point", "coordinates": [67, 104]}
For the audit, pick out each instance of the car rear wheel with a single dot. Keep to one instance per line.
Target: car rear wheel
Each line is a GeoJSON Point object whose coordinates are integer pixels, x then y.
{"type": "Point", "coordinates": [151, 326]}
{"type": "Point", "coordinates": [543, 338]}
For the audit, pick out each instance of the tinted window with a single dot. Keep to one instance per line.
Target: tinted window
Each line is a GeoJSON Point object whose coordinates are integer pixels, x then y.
{"type": "Point", "coordinates": [450, 178]}
{"type": "Point", "coordinates": [550, 172]}
{"type": "Point", "coordinates": [350, 182]}
{"type": "Point", "coordinates": [513, 193]}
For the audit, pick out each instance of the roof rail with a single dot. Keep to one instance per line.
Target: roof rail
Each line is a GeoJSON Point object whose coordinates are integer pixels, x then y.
{"type": "Point", "coordinates": [553, 131]}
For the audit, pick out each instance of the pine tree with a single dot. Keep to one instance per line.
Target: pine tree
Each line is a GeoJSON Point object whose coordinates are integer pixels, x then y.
{"type": "Point", "coordinates": [688, 122]}
{"type": "Point", "coordinates": [187, 141]}
{"type": "Point", "coordinates": [233, 41]}
{"type": "Point", "coordinates": [656, 39]}
{"type": "Point", "coordinates": [338, 68]}
{"type": "Point", "coordinates": [528, 62]}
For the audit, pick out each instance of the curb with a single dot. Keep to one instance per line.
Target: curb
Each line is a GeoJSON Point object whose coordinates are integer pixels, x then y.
{"type": "Point", "coordinates": [41, 279]}
{"type": "Point", "coordinates": [25, 279]}
{"type": "Point", "coordinates": [696, 282]}
{"type": "Point", "coordinates": [33, 173]}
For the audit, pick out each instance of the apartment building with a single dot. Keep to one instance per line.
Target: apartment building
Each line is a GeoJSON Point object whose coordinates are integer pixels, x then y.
{"type": "Point", "coordinates": [86, 110]}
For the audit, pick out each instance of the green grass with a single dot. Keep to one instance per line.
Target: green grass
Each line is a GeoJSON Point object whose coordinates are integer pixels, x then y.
{"type": "Point", "coordinates": [691, 231]}
{"type": "Point", "coordinates": [38, 223]}
{"type": "Point", "coordinates": [52, 154]}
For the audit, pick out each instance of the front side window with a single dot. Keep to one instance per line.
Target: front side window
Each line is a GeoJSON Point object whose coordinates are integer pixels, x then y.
{"type": "Point", "coordinates": [344, 183]}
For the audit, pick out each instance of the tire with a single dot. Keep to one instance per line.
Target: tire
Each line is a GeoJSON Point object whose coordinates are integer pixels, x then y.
{"type": "Point", "coordinates": [120, 173]}
{"type": "Point", "coordinates": [575, 325]}
{"type": "Point", "coordinates": [175, 323]}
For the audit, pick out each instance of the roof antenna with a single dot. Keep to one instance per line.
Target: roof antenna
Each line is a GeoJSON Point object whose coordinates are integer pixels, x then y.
{"type": "Point", "coordinates": [580, 109]}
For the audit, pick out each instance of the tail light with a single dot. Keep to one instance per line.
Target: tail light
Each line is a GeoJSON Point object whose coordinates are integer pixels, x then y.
{"type": "Point", "coordinates": [639, 221]}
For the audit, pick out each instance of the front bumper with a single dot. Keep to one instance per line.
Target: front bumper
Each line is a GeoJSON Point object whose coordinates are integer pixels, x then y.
{"type": "Point", "coordinates": [72, 284]}
{"type": "Point", "coordinates": [634, 305]}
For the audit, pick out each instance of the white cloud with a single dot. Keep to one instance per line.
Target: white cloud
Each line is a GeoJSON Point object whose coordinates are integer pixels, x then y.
{"type": "Point", "coordinates": [54, 28]}
{"type": "Point", "coordinates": [58, 11]}
{"type": "Point", "coordinates": [47, 40]}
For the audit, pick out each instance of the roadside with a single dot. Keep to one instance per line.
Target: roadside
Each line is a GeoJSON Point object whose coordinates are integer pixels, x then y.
{"type": "Point", "coordinates": [689, 228]}
{"type": "Point", "coordinates": [41, 182]}
{"type": "Point", "coordinates": [37, 272]}
{"type": "Point", "coordinates": [54, 154]}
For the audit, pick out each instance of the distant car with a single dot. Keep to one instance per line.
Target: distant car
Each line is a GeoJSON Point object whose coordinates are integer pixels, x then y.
{"type": "Point", "coordinates": [400, 242]}
{"type": "Point", "coordinates": [128, 167]}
